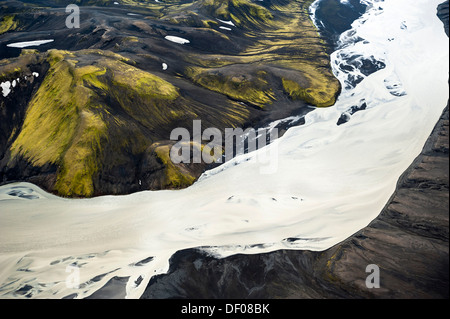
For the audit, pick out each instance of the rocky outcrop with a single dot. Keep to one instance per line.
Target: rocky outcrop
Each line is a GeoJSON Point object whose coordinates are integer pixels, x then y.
{"type": "Point", "coordinates": [443, 14]}
{"type": "Point", "coordinates": [337, 17]}
{"type": "Point", "coordinates": [408, 242]}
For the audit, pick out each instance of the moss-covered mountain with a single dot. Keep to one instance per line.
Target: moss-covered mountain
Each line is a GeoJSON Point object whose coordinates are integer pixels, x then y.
{"type": "Point", "coordinates": [96, 116]}
{"type": "Point", "coordinates": [91, 112]}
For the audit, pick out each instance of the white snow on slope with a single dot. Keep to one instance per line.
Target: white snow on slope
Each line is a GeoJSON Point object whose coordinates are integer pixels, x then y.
{"type": "Point", "coordinates": [227, 22]}
{"type": "Point", "coordinates": [28, 43]}
{"type": "Point", "coordinates": [176, 39]}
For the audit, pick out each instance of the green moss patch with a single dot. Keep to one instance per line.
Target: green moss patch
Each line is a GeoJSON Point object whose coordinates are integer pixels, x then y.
{"type": "Point", "coordinates": [64, 123]}
{"type": "Point", "coordinates": [252, 89]}
{"type": "Point", "coordinates": [176, 176]}
{"type": "Point", "coordinates": [8, 23]}
{"type": "Point", "coordinates": [317, 95]}
{"type": "Point", "coordinates": [243, 13]}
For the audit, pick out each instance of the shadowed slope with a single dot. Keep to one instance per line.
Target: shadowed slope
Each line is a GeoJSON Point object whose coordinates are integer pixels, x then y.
{"type": "Point", "coordinates": [98, 118]}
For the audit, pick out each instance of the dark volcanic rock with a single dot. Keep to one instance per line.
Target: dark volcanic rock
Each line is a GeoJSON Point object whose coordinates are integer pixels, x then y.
{"type": "Point", "coordinates": [409, 242]}
{"type": "Point", "coordinates": [337, 17]}
{"type": "Point", "coordinates": [443, 14]}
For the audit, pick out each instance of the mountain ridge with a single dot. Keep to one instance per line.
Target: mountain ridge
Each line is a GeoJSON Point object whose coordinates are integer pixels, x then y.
{"type": "Point", "coordinates": [98, 134]}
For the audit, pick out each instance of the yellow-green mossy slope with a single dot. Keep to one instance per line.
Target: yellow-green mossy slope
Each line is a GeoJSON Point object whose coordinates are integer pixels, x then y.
{"type": "Point", "coordinates": [98, 122]}
{"type": "Point", "coordinates": [68, 122]}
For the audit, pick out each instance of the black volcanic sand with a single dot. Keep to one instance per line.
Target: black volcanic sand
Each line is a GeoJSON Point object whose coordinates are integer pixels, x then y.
{"type": "Point", "coordinates": [408, 241]}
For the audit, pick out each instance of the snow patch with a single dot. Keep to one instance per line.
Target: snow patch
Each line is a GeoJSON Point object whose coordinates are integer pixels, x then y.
{"type": "Point", "coordinates": [176, 39]}
{"type": "Point", "coordinates": [28, 43]}
{"type": "Point", "coordinates": [227, 22]}
{"type": "Point", "coordinates": [6, 88]}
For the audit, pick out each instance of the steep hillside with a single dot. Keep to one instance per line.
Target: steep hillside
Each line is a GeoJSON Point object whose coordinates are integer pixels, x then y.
{"type": "Point", "coordinates": [96, 116]}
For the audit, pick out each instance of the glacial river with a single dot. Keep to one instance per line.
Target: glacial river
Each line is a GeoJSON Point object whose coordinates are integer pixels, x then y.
{"type": "Point", "coordinates": [326, 181]}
